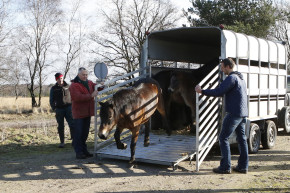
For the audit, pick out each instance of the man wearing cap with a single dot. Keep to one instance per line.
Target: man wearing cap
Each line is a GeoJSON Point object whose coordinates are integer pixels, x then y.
{"type": "Point", "coordinates": [60, 102]}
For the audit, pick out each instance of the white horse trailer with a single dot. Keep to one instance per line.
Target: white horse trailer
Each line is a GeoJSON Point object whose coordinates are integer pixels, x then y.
{"type": "Point", "coordinates": [263, 64]}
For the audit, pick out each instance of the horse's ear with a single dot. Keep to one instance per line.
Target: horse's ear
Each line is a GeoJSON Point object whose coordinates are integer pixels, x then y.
{"type": "Point", "coordinates": [101, 103]}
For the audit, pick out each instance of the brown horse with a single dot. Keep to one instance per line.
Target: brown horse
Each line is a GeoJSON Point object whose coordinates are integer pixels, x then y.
{"type": "Point", "coordinates": [182, 85]}
{"type": "Point", "coordinates": [182, 91]}
{"type": "Point", "coordinates": [179, 94]}
{"type": "Point", "coordinates": [130, 108]}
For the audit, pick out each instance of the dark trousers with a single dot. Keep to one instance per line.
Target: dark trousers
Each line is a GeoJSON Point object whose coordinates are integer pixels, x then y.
{"type": "Point", "coordinates": [81, 132]}
{"type": "Point", "coordinates": [60, 115]}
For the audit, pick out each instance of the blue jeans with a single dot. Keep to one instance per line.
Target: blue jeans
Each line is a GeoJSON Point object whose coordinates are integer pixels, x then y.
{"type": "Point", "coordinates": [60, 115]}
{"type": "Point", "coordinates": [81, 133]}
{"type": "Point", "coordinates": [231, 124]}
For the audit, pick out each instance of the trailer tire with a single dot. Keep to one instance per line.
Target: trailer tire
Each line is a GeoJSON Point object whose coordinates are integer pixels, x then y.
{"type": "Point", "coordinates": [268, 138]}
{"type": "Point", "coordinates": [254, 138]}
{"type": "Point", "coordinates": [287, 99]}
{"type": "Point", "coordinates": [284, 119]}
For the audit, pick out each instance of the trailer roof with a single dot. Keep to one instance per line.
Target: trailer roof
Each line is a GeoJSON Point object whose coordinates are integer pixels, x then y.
{"type": "Point", "coordinates": [202, 35]}
{"type": "Point", "coordinates": [195, 45]}
{"type": "Point", "coordinates": [202, 44]}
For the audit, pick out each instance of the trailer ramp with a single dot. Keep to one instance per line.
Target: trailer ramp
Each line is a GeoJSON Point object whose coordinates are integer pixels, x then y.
{"type": "Point", "coordinates": [163, 149]}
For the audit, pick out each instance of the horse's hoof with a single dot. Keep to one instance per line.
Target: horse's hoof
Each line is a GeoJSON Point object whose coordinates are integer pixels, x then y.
{"type": "Point", "coordinates": [122, 146]}
{"type": "Point", "coordinates": [132, 160]}
{"type": "Point", "coordinates": [132, 165]}
{"type": "Point", "coordinates": [146, 143]}
{"type": "Point", "coordinates": [193, 129]}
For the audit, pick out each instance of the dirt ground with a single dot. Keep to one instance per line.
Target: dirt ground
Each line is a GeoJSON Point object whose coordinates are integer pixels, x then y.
{"type": "Point", "coordinates": [59, 171]}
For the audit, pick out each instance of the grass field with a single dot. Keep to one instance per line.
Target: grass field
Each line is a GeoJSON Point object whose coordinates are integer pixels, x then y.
{"type": "Point", "coordinates": [24, 141]}
{"type": "Point", "coordinates": [29, 139]}
{"type": "Point", "coordinates": [10, 105]}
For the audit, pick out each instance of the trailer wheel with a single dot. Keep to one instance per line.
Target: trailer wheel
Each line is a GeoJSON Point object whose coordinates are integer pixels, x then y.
{"type": "Point", "coordinates": [269, 136]}
{"type": "Point", "coordinates": [254, 138]}
{"type": "Point", "coordinates": [287, 99]}
{"type": "Point", "coordinates": [284, 118]}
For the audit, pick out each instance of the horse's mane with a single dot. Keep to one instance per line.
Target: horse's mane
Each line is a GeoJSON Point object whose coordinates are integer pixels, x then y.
{"type": "Point", "coordinates": [129, 96]}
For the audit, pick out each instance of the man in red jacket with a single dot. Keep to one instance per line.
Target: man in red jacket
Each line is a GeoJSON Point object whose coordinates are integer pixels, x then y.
{"type": "Point", "coordinates": [82, 93]}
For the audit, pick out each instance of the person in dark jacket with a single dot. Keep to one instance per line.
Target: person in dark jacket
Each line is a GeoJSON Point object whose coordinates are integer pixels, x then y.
{"type": "Point", "coordinates": [60, 102]}
{"type": "Point", "coordinates": [234, 89]}
{"type": "Point", "coordinates": [82, 93]}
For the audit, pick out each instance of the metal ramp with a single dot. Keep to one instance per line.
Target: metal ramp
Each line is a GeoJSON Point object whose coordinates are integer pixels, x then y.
{"type": "Point", "coordinates": [163, 149]}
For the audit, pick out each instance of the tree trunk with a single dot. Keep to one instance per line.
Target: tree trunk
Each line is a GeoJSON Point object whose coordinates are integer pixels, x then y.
{"type": "Point", "coordinates": [32, 95]}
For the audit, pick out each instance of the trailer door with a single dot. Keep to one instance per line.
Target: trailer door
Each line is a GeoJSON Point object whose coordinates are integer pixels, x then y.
{"type": "Point", "coordinates": [208, 115]}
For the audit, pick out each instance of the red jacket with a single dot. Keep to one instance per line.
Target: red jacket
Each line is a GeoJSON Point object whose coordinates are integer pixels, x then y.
{"type": "Point", "coordinates": [83, 104]}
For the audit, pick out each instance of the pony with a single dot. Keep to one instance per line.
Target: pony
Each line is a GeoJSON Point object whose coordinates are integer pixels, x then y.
{"type": "Point", "coordinates": [182, 86]}
{"type": "Point", "coordinates": [176, 111]}
{"type": "Point", "coordinates": [179, 94]}
{"type": "Point", "coordinates": [130, 108]}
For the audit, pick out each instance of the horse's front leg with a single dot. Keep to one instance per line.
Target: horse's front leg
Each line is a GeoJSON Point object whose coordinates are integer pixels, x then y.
{"type": "Point", "coordinates": [117, 134]}
{"type": "Point", "coordinates": [135, 134]}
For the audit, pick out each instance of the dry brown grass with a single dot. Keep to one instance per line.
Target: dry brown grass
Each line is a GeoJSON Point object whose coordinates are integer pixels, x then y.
{"type": "Point", "coordinates": [10, 105]}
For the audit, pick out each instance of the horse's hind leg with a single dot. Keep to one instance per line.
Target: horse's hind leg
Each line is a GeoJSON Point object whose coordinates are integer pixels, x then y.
{"type": "Point", "coordinates": [119, 144]}
{"type": "Point", "coordinates": [147, 131]}
{"type": "Point", "coordinates": [189, 99]}
{"type": "Point", "coordinates": [162, 111]}
{"type": "Point", "coordinates": [135, 134]}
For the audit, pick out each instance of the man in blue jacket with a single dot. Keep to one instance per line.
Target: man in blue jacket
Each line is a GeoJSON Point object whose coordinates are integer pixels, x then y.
{"type": "Point", "coordinates": [234, 90]}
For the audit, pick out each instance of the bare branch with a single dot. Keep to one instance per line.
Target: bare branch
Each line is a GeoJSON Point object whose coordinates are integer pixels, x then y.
{"type": "Point", "coordinates": [125, 30]}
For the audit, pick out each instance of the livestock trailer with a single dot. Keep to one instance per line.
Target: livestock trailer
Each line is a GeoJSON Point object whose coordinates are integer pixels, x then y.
{"type": "Point", "coordinates": [263, 64]}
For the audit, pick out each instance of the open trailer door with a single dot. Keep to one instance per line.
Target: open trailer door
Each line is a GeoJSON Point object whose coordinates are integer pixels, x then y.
{"type": "Point", "coordinates": [208, 116]}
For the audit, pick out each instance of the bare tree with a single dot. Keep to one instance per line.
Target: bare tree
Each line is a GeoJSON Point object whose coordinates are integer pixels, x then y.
{"type": "Point", "coordinates": [37, 40]}
{"type": "Point", "coordinates": [125, 30]}
{"type": "Point", "coordinates": [15, 73]}
{"type": "Point", "coordinates": [4, 34]}
{"type": "Point", "coordinates": [281, 30]}
{"type": "Point", "coordinates": [73, 36]}
{"type": "Point", "coordinates": [4, 20]}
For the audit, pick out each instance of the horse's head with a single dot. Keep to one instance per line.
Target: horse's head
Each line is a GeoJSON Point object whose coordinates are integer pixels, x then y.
{"type": "Point", "coordinates": [174, 82]}
{"type": "Point", "coordinates": [107, 115]}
